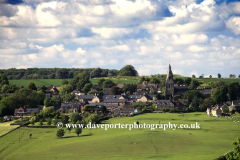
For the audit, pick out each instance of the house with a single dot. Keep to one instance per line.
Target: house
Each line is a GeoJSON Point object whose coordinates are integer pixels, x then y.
{"type": "Point", "coordinates": [120, 85]}
{"type": "Point", "coordinates": [95, 88]}
{"type": "Point", "coordinates": [78, 92]}
{"type": "Point", "coordinates": [96, 99]}
{"type": "Point", "coordinates": [54, 89]}
{"type": "Point", "coordinates": [181, 103]}
{"type": "Point", "coordinates": [165, 104]}
{"type": "Point", "coordinates": [119, 102]}
{"type": "Point", "coordinates": [206, 92]}
{"type": "Point", "coordinates": [25, 111]}
{"type": "Point", "coordinates": [134, 98]}
{"type": "Point", "coordinates": [109, 107]}
{"type": "Point", "coordinates": [106, 91]}
{"type": "Point", "coordinates": [223, 106]}
{"type": "Point", "coordinates": [71, 107]}
{"type": "Point", "coordinates": [123, 110]}
{"type": "Point", "coordinates": [214, 111]}
{"type": "Point", "coordinates": [236, 103]}
{"type": "Point", "coordinates": [147, 98]}
{"type": "Point", "coordinates": [84, 98]}
{"type": "Point", "coordinates": [53, 95]}
{"type": "Point", "coordinates": [148, 87]}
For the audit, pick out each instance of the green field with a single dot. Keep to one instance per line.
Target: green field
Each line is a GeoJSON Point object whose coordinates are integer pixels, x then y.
{"type": "Point", "coordinates": [230, 80]}
{"type": "Point", "coordinates": [57, 82]}
{"type": "Point", "coordinates": [212, 140]}
{"type": "Point", "coordinates": [6, 127]}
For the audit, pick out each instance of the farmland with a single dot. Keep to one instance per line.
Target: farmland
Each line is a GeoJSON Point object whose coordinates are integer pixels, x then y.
{"type": "Point", "coordinates": [6, 127]}
{"type": "Point", "coordinates": [211, 140]}
{"type": "Point", "coordinates": [57, 82]}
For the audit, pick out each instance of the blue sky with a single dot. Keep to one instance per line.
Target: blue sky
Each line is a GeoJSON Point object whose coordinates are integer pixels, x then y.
{"type": "Point", "coordinates": [195, 36]}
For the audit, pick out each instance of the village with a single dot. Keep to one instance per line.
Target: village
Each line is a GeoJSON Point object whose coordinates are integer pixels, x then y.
{"type": "Point", "coordinates": [141, 100]}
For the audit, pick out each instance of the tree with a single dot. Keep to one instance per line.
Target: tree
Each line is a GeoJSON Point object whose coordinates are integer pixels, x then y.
{"type": "Point", "coordinates": [232, 76]}
{"type": "Point", "coordinates": [47, 102]}
{"type": "Point", "coordinates": [193, 76]}
{"type": "Point", "coordinates": [235, 154]}
{"type": "Point", "coordinates": [154, 80]}
{"type": "Point", "coordinates": [64, 81]}
{"type": "Point", "coordinates": [62, 73]}
{"type": "Point", "coordinates": [96, 72]}
{"type": "Point", "coordinates": [5, 88]}
{"type": "Point", "coordinates": [219, 94]}
{"type": "Point", "coordinates": [68, 97]}
{"type": "Point", "coordinates": [101, 82]}
{"type": "Point", "coordinates": [112, 73]}
{"type": "Point", "coordinates": [194, 84]}
{"type": "Point", "coordinates": [128, 70]}
{"type": "Point", "coordinates": [60, 133]}
{"type": "Point", "coordinates": [3, 80]}
{"type": "Point", "coordinates": [67, 88]}
{"type": "Point", "coordinates": [195, 103]}
{"type": "Point", "coordinates": [41, 122]}
{"type": "Point", "coordinates": [32, 86]}
{"type": "Point", "coordinates": [187, 80]}
{"type": "Point", "coordinates": [115, 90]}
{"type": "Point", "coordinates": [65, 119]}
{"type": "Point", "coordinates": [108, 84]}
{"type": "Point", "coordinates": [80, 80]}
{"type": "Point", "coordinates": [49, 121]}
{"type": "Point", "coordinates": [219, 75]}
{"type": "Point", "coordinates": [93, 118]}
{"type": "Point", "coordinates": [103, 109]}
{"type": "Point", "coordinates": [191, 94]}
{"type": "Point", "coordinates": [207, 103]}
{"type": "Point", "coordinates": [74, 117]}
{"type": "Point", "coordinates": [87, 87]}
{"type": "Point", "coordinates": [239, 76]}
{"type": "Point", "coordinates": [78, 130]}
{"type": "Point", "coordinates": [234, 90]}
{"type": "Point", "coordinates": [178, 81]}
{"type": "Point", "coordinates": [210, 76]}
{"type": "Point", "coordinates": [225, 110]}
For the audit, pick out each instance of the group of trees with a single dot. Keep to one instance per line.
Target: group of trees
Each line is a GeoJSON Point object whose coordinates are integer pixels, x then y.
{"type": "Point", "coordinates": [219, 76]}
{"type": "Point", "coordinates": [222, 93]}
{"type": "Point", "coordinates": [65, 73]}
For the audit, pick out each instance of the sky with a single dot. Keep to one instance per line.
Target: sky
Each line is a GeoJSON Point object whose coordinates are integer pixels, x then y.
{"type": "Point", "coordinates": [194, 36]}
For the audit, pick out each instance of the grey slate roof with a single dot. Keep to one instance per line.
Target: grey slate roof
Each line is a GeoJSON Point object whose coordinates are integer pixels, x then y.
{"type": "Point", "coordinates": [114, 100]}
{"type": "Point", "coordinates": [28, 110]}
{"type": "Point", "coordinates": [86, 96]}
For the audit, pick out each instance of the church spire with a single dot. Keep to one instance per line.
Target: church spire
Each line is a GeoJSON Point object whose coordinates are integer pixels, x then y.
{"type": "Point", "coordinates": [169, 74]}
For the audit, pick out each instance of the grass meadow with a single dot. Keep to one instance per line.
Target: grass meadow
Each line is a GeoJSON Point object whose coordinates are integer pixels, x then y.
{"type": "Point", "coordinates": [6, 127]}
{"type": "Point", "coordinates": [212, 140]}
{"type": "Point", "coordinates": [57, 82]}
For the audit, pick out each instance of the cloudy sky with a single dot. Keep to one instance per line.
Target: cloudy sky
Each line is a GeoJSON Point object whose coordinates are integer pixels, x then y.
{"type": "Point", "coordinates": [195, 36]}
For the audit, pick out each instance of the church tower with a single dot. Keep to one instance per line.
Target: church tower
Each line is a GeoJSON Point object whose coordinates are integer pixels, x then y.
{"type": "Point", "coordinates": [169, 84]}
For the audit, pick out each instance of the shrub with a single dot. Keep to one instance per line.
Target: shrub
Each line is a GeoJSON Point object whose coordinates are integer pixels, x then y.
{"type": "Point", "coordinates": [60, 133]}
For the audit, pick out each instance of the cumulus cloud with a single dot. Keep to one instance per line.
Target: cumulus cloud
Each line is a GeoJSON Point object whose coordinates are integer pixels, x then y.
{"type": "Point", "coordinates": [193, 37]}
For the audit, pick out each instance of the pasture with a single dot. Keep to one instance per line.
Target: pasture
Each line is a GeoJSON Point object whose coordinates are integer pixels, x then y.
{"type": "Point", "coordinates": [57, 82]}
{"type": "Point", "coordinates": [210, 141]}
{"type": "Point", "coordinates": [5, 128]}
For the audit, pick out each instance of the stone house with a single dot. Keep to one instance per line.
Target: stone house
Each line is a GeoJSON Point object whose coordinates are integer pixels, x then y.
{"type": "Point", "coordinates": [165, 104]}
{"type": "Point", "coordinates": [123, 110]}
{"type": "Point", "coordinates": [25, 111]}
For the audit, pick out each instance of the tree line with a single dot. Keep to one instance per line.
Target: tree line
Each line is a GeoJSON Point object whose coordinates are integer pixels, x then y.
{"type": "Point", "coordinates": [65, 73]}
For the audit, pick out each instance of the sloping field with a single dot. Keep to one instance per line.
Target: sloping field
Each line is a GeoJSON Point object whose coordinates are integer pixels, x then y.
{"type": "Point", "coordinates": [211, 140]}
{"type": "Point", "coordinates": [6, 128]}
